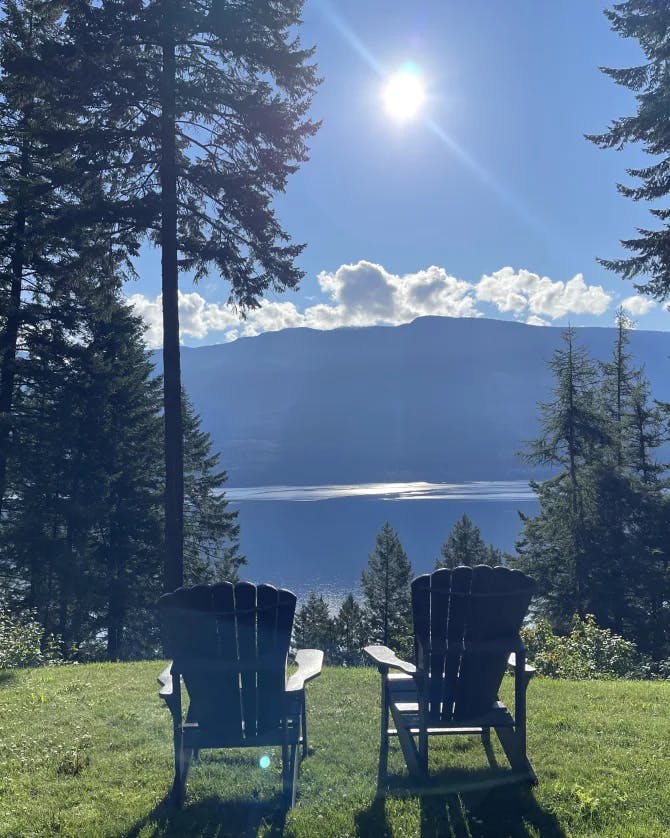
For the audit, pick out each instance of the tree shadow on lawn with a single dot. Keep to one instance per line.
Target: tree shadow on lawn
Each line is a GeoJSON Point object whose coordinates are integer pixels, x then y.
{"type": "Point", "coordinates": [465, 804]}
{"type": "Point", "coordinates": [213, 818]}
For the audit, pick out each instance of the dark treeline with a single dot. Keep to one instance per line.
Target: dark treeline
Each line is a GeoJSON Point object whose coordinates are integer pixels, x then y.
{"type": "Point", "coordinates": [81, 542]}
{"type": "Point", "coordinates": [601, 543]}
{"type": "Point", "coordinates": [82, 482]}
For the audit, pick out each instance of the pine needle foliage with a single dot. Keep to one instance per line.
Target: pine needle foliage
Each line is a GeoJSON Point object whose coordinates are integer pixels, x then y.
{"type": "Point", "coordinates": [648, 22]}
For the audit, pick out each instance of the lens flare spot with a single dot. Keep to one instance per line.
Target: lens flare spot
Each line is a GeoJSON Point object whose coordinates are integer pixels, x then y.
{"type": "Point", "coordinates": [264, 761]}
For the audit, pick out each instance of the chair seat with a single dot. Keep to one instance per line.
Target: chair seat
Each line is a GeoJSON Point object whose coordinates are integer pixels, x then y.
{"type": "Point", "coordinates": [197, 737]}
{"type": "Point", "coordinates": [404, 703]}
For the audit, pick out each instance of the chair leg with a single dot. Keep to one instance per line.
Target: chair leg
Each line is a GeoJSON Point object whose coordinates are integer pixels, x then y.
{"type": "Point", "coordinates": [290, 765]}
{"type": "Point", "coordinates": [182, 764]}
{"type": "Point", "coordinates": [423, 737]}
{"type": "Point", "coordinates": [408, 745]}
{"type": "Point", "coordinates": [303, 721]}
{"type": "Point", "coordinates": [514, 741]}
{"type": "Point", "coordinates": [486, 742]}
{"type": "Point", "coordinates": [382, 771]}
{"type": "Point", "coordinates": [514, 748]}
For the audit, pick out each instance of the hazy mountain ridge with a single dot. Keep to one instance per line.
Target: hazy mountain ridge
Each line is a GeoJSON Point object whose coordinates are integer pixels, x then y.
{"type": "Point", "coordinates": [438, 399]}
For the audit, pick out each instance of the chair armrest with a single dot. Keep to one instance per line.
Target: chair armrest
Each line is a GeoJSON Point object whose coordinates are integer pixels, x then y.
{"type": "Point", "coordinates": [165, 680]}
{"type": "Point", "coordinates": [528, 669]}
{"type": "Point", "coordinates": [309, 663]}
{"type": "Point", "coordinates": [385, 658]}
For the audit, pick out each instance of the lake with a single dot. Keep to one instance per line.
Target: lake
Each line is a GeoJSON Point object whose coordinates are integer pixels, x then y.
{"type": "Point", "coordinates": [319, 537]}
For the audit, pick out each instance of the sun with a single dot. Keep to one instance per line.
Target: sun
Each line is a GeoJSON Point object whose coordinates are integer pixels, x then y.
{"type": "Point", "coordinates": [404, 94]}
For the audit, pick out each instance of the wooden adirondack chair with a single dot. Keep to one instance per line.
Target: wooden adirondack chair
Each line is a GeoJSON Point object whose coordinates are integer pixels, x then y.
{"type": "Point", "coordinates": [229, 645]}
{"type": "Point", "coordinates": [466, 630]}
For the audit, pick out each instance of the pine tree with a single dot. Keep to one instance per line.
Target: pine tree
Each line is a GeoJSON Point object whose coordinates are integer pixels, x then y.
{"type": "Point", "coordinates": [386, 593]}
{"type": "Point", "coordinates": [349, 633]}
{"type": "Point", "coordinates": [54, 227]}
{"type": "Point", "coordinates": [647, 21]}
{"type": "Point", "coordinates": [619, 378]}
{"type": "Point", "coordinates": [612, 496]}
{"type": "Point", "coordinates": [208, 102]}
{"type": "Point", "coordinates": [573, 434]}
{"type": "Point", "coordinates": [465, 546]}
{"type": "Point", "coordinates": [313, 626]}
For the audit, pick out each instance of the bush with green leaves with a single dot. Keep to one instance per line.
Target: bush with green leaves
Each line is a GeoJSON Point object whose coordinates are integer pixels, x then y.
{"type": "Point", "coordinates": [588, 652]}
{"type": "Point", "coordinates": [21, 642]}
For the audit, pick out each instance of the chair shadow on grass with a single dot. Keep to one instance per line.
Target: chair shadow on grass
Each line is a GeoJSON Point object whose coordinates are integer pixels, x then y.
{"type": "Point", "coordinates": [459, 804]}
{"type": "Point", "coordinates": [218, 816]}
{"type": "Point", "coordinates": [213, 817]}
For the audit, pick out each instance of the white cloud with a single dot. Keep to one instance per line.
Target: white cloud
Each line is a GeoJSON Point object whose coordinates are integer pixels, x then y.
{"type": "Point", "coordinates": [197, 317]}
{"type": "Point", "coordinates": [517, 291]}
{"type": "Point", "coordinates": [637, 305]}
{"type": "Point", "coordinates": [365, 294]}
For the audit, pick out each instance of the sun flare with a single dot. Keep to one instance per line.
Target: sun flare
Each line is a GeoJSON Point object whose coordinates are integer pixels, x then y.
{"type": "Point", "coordinates": [404, 94]}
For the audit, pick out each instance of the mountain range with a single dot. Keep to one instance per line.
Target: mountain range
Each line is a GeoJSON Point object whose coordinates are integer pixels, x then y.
{"type": "Point", "coordinates": [438, 399]}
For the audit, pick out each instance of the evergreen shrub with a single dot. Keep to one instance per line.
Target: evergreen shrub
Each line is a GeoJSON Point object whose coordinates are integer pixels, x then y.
{"type": "Point", "coordinates": [588, 652]}
{"type": "Point", "coordinates": [21, 642]}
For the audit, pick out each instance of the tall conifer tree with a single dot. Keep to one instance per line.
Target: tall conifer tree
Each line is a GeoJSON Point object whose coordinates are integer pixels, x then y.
{"type": "Point", "coordinates": [386, 592]}
{"type": "Point", "coordinates": [554, 547]}
{"type": "Point", "coordinates": [208, 102]}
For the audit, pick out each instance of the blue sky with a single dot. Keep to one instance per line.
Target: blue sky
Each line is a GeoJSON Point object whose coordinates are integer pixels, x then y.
{"type": "Point", "coordinates": [490, 203]}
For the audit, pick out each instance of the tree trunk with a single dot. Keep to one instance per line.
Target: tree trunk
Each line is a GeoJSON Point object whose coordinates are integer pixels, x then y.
{"type": "Point", "coordinates": [117, 601]}
{"type": "Point", "coordinates": [8, 343]}
{"type": "Point", "coordinates": [174, 444]}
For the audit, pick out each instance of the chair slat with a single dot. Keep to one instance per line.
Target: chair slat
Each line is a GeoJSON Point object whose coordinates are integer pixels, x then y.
{"type": "Point", "coordinates": [245, 604]}
{"type": "Point", "coordinates": [518, 589]}
{"type": "Point", "coordinates": [421, 619]}
{"type": "Point", "coordinates": [271, 680]}
{"type": "Point", "coordinates": [461, 578]}
{"type": "Point", "coordinates": [199, 636]}
{"type": "Point", "coordinates": [440, 588]}
{"type": "Point", "coordinates": [227, 692]}
{"type": "Point", "coordinates": [484, 658]}
{"type": "Point", "coordinates": [285, 614]}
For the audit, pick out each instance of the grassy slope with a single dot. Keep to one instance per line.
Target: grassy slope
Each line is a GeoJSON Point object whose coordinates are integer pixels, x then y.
{"type": "Point", "coordinates": [87, 751]}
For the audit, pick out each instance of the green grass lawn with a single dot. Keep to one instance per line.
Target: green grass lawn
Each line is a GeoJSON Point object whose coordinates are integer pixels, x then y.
{"type": "Point", "coordinates": [87, 751]}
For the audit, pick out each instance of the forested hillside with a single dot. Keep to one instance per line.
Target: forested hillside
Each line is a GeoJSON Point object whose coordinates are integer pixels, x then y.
{"type": "Point", "coordinates": [439, 399]}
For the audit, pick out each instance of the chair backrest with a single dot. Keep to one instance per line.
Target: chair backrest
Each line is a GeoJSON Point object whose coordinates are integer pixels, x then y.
{"type": "Point", "coordinates": [230, 643]}
{"type": "Point", "coordinates": [466, 623]}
